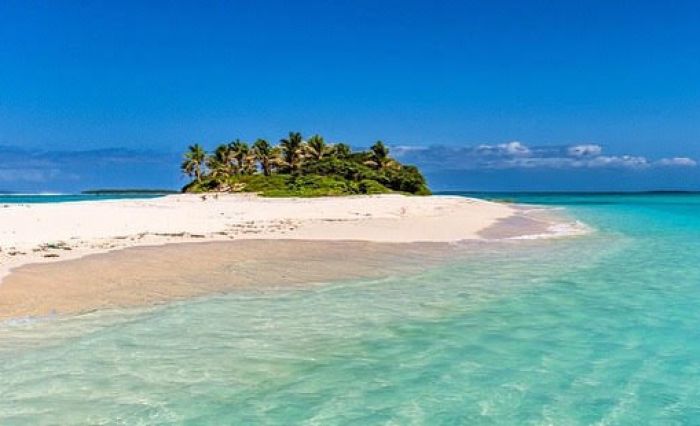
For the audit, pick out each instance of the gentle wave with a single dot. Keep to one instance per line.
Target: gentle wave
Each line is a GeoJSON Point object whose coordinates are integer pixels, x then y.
{"type": "Point", "coordinates": [559, 230]}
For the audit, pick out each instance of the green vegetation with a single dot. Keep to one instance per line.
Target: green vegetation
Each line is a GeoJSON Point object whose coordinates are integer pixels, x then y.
{"type": "Point", "coordinates": [299, 168]}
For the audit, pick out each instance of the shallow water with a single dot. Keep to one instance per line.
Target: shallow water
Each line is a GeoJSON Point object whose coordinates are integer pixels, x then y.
{"type": "Point", "coordinates": [597, 329]}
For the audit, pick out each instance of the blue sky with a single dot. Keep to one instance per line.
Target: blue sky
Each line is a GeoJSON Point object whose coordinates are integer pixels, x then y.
{"type": "Point", "coordinates": [108, 93]}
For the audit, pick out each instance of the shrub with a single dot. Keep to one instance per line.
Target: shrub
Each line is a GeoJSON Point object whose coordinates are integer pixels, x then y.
{"type": "Point", "coordinates": [346, 169]}
{"type": "Point", "coordinates": [369, 186]}
{"type": "Point", "coordinates": [407, 179]}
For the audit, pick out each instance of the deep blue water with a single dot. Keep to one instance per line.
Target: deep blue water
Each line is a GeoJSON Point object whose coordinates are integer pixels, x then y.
{"type": "Point", "coordinates": [599, 329]}
{"type": "Point", "coordinates": [64, 198]}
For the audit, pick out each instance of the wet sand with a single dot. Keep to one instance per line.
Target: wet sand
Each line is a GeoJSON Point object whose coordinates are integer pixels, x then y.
{"type": "Point", "coordinates": [156, 274]}
{"type": "Point", "coordinates": [146, 275]}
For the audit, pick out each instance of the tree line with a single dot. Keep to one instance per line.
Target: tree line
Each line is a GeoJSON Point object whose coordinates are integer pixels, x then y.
{"type": "Point", "coordinates": [295, 158]}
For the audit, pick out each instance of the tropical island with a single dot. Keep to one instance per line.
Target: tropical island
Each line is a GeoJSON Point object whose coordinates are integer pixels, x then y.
{"type": "Point", "coordinates": [299, 168]}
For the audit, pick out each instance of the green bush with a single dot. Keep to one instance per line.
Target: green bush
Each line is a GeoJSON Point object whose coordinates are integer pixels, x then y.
{"type": "Point", "coordinates": [368, 186]}
{"type": "Point", "coordinates": [407, 179]}
{"type": "Point", "coordinates": [347, 169]}
{"type": "Point", "coordinates": [258, 183]}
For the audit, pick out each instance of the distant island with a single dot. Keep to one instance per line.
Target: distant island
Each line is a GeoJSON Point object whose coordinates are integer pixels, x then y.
{"type": "Point", "coordinates": [299, 168]}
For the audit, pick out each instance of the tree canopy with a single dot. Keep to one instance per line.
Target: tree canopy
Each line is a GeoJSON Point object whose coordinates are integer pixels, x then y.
{"type": "Point", "coordinates": [298, 167]}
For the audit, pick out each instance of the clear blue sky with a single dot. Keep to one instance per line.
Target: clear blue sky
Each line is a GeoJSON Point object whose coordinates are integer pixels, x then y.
{"type": "Point", "coordinates": [624, 76]}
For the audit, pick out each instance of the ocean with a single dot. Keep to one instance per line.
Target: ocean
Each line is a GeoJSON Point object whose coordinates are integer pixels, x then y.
{"type": "Point", "coordinates": [66, 198]}
{"type": "Point", "coordinates": [595, 329]}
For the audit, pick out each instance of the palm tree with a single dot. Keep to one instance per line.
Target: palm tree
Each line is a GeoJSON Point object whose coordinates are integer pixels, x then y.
{"type": "Point", "coordinates": [248, 163]}
{"type": "Point", "coordinates": [379, 157]}
{"type": "Point", "coordinates": [220, 163]}
{"type": "Point", "coordinates": [193, 162]}
{"type": "Point", "coordinates": [341, 150]}
{"type": "Point", "coordinates": [242, 156]}
{"type": "Point", "coordinates": [292, 151]}
{"type": "Point", "coordinates": [316, 147]}
{"type": "Point", "coordinates": [266, 154]}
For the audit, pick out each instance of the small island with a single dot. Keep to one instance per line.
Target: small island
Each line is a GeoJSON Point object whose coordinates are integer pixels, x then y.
{"type": "Point", "coordinates": [299, 168]}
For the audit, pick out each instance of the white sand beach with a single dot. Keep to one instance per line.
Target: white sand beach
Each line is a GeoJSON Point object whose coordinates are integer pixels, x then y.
{"type": "Point", "coordinates": [31, 233]}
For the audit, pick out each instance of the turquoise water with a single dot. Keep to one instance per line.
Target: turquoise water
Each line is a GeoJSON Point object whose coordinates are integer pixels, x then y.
{"type": "Point", "coordinates": [601, 329]}
{"type": "Point", "coordinates": [64, 198]}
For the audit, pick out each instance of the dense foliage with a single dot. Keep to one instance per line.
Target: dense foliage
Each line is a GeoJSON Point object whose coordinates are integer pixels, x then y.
{"type": "Point", "coordinates": [298, 167]}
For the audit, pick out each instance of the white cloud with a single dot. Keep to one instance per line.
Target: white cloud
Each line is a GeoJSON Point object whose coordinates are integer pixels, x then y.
{"type": "Point", "coordinates": [400, 150]}
{"type": "Point", "coordinates": [515, 155]}
{"type": "Point", "coordinates": [513, 149]}
{"type": "Point", "coordinates": [677, 161]}
{"type": "Point", "coordinates": [626, 161]}
{"type": "Point", "coordinates": [537, 162]}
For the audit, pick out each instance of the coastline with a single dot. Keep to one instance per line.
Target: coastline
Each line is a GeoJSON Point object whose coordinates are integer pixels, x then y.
{"type": "Point", "coordinates": [61, 263]}
{"type": "Point", "coordinates": [38, 233]}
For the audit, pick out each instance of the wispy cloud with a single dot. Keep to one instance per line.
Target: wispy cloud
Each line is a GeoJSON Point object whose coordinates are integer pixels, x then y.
{"type": "Point", "coordinates": [677, 162]}
{"type": "Point", "coordinates": [586, 150]}
{"type": "Point", "coordinates": [8, 174]}
{"type": "Point", "coordinates": [75, 170]}
{"type": "Point", "coordinates": [517, 155]}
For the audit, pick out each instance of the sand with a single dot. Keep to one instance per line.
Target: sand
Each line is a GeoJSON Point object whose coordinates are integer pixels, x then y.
{"type": "Point", "coordinates": [33, 233]}
{"type": "Point", "coordinates": [186, 245]}
{"type": "Point", "coordinates": [149, 275]}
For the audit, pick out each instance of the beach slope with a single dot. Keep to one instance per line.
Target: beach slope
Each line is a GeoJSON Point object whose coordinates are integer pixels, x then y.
{"type": "Point", "coordinates": [31, 233]}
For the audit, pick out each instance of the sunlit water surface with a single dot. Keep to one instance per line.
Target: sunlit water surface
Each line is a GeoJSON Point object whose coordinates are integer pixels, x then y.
{"type": "Point", "coordinates": [603, 328]}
